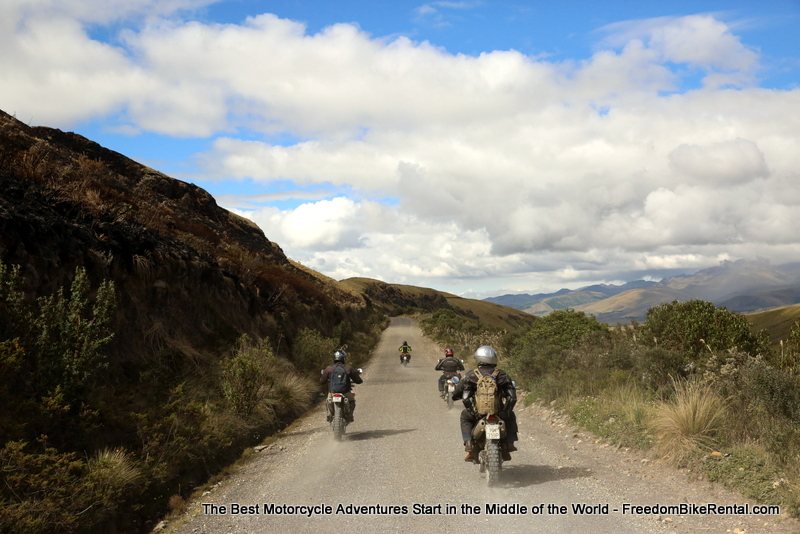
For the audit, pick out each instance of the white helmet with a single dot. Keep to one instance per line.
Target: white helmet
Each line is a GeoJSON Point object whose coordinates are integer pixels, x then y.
{"type": "Point", "coordinates": [486, 355]}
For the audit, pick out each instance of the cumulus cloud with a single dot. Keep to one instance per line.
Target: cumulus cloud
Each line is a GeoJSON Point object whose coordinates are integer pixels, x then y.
{"type": "Point", "coordinates": [502, 165]}
{"type": "Point", "coordinates": [727, 162]}
{"type": "Point", "coordinates": [323, 225]}
{"type": "Point", "coordinates": [701, 41]}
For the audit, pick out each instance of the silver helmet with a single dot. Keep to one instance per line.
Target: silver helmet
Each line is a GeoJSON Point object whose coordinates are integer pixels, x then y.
{"type": "Point", "coordinates": [339, 356]}
{"type": "Point", "coordinates": [486, 355]}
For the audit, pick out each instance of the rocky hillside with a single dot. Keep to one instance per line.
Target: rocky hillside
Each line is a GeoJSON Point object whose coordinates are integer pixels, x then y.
{"type": "Point", "coordinates": [189, 278]}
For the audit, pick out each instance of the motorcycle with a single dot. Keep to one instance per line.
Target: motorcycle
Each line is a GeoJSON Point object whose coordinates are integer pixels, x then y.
{"type": "Point", "coordinates": [404, 359]}
{"type": "Point", "coordinates": [449, 387]}
{"type": "Point", "coordinates": [339, 414]}
{"type": "Point", "coordinates": [487, 437]}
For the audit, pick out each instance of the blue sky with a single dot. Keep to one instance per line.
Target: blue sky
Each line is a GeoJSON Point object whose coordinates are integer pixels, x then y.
{"type": "Point", "coordinates": [475, 147]}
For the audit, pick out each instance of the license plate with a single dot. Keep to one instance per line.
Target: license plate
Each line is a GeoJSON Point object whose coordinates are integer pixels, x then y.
{"type": "Point", "coordinates": [451, 388]}
{"type": "Point", "coordinates": [337, 399]}
{"type": "Point", "coordinates": [492, 431]}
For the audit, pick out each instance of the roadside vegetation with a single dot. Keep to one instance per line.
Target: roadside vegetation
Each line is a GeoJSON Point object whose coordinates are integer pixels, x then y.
{"type": "Point", "coordinates": [692, 384]}
{"type": "Point", "coordinates": [91, 443]}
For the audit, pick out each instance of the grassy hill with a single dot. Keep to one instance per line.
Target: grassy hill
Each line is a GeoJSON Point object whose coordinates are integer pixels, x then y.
{"type": "Point", "coordinates": [398, 298]}
{"type": "Point", "coordinates": [777, 322]}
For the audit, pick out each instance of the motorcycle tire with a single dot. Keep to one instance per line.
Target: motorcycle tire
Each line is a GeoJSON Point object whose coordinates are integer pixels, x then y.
{"type": "Point", "coordinates": [494, 462]}
{"type": "Point", "coordinates": [449, 401]}
{"type": "Point", "coordinates": [338, 423]}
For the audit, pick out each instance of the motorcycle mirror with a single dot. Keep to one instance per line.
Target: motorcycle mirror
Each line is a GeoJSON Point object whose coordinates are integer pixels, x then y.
{"type": "Point", "coordinates": [514, 383]}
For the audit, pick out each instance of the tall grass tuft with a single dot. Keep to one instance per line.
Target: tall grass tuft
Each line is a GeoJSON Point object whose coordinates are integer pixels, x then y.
{"type": "Point", "coordinates": [112, 470]}
{"type": "Point", "coordinates": [293, 391]}
{"type": "Point", "coordinates": [689, 422]}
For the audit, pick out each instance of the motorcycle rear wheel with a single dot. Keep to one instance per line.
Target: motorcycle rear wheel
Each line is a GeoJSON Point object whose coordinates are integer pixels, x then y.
{"type": "Point", "coordinates": [494, 462]}
{"type": "Point", "coordinates": [338, 423]}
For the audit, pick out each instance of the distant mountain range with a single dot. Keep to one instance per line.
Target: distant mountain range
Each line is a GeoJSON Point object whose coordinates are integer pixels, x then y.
{"type": "Point", "coordinates": [742, 285]}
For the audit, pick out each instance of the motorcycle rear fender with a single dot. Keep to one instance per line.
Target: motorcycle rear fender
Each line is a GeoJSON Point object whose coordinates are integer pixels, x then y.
{"type": "Point", "coordinates": [329, 402]}
{"type": "Point", "coordinates": [480, 428]}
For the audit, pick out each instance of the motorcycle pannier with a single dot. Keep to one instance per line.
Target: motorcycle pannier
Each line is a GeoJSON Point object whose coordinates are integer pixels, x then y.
{"type": "Point", "coordinates": [338, 380]}
{"type": "Point", "coordinates": [486, 398]}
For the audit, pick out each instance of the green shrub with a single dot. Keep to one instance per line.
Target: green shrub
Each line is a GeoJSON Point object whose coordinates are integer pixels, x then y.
{"type": "Point", "coordinates": [245, 374]}
{"type": "Point", "coordinates": [563, 339]}
{"type": "Point", "coordinates": [70, 333]}
{"type": "Point", "coordinates": [52, 352]}
{"type": "Point", "coordinates": [657, 366]}
{"type": "Point", "coordinates": [698, 327]}
{"type": "Point", "coordinates": [312, 351]}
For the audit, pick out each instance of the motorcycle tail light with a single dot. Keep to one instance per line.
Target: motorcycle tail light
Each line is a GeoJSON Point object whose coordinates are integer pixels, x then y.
{"type": "Point", "coordinates": [492, 418]}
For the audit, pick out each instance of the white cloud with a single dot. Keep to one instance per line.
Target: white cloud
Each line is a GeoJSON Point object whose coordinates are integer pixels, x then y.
{"type": "Point", "coordinates": [701, 40]}
{"type": "Point", "coordinates": [728, 162]}
{"type": "Point", "coordinates": [322, 225]}
{"type": "Point", "coordinates": [502, 165]}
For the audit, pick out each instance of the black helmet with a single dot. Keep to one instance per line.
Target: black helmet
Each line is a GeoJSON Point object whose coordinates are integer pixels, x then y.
{"type": "Point", "coordinates": [405, 342]}
{"type": "Point", "coordinates": [339, 356]}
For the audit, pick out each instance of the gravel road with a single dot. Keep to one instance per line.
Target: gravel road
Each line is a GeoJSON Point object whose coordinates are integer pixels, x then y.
{"type": "Point", "coordinates": [404, 449]}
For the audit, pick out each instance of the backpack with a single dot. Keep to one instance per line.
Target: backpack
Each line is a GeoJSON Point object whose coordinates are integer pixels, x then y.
{"type": "Point", "coordinates": [486, 398]}
{"type": "Point", "coordinates": [338, 380]}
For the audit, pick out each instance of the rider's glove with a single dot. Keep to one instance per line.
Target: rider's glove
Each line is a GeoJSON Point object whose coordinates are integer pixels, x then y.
{"type": "Point", "coordinates": [511, 399]}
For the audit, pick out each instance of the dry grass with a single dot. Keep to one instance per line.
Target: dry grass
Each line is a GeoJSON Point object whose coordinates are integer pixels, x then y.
{"type": "Point", "coordinates": [112, 469]}
{"type": "Point", "coordinates": [631, 402]}
{"type": "Point", "coordinates": [293, 390]}
{"type": "Point", "coordinates": [691, 421]}
{"type": "Point", "coordinates": [176, 504]}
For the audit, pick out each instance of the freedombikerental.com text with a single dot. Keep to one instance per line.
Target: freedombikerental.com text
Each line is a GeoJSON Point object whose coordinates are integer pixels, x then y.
{"type": "Point", "coordinates": [418, 509]}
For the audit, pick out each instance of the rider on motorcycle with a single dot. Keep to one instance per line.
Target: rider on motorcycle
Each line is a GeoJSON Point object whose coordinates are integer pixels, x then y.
{"type": "Point", "coordinates": [450, 367]}
{"type": "Point", "coordinates": [353, 377]}
{"type": "Point", "coordinates": [486, 358]}
{"type": "Point", "coordinates": [405, 348]}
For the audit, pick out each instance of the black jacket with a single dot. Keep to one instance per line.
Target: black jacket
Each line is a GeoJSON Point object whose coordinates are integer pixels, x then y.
{"type": "Point", "coordinates": [449, 365]}
{"type": "Point", "coordinates": [353, 376]}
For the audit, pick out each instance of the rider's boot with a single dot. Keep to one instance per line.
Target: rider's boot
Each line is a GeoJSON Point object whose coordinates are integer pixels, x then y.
{"type": "Point", "coordinates": [470, 457]}
{"type": "Point", "coordinates": [504, 452]}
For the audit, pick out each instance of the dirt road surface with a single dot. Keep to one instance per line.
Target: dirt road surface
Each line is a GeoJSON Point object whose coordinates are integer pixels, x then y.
{"type": "Point", "coordinates": [404, 449]}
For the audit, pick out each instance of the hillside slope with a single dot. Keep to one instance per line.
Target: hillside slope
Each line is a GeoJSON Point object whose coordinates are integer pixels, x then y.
{"type": "Point", "coordinates": [396, 299]}
{"type": "Point", "coordinates": [742, 286]}
{"type": "Point", "coordinates": [777, 322]}
{"type": "Point", "coordinates": [190, 278]}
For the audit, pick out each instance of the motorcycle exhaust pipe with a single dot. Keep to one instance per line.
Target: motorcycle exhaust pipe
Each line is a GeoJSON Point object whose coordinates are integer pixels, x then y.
{"type": "Point", "coordinates": [480, 428]}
